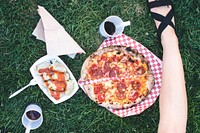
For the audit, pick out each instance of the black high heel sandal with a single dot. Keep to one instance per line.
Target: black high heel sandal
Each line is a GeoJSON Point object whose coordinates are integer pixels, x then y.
{"type": "Point", "coordinates": [165, 20]}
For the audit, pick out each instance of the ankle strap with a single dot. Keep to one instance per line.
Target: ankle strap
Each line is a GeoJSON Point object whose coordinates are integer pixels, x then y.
{"type": "Point", "coordinates": [159, 3]}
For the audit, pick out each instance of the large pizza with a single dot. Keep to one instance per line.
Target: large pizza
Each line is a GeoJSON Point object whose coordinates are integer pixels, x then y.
{"type": "Point", "coordinates": [117, 77]}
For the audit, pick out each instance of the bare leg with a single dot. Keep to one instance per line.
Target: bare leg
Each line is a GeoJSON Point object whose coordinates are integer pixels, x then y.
{"type": "Point", "coordinates": [173, 98]}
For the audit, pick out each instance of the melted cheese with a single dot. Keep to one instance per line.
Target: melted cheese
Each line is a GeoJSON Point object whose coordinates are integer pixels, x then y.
{"type": "Point", "coordinates": [126, 68]}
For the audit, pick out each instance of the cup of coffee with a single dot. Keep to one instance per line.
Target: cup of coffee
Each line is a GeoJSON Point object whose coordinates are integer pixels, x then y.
{"type": "Point", "coordinates": [112, 26]}
{"type": "Point", "coordinates": [32, 117]}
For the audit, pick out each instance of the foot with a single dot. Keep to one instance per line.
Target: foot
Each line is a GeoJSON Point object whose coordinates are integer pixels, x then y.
{"type": "Point", "coordinates": [164, 10]}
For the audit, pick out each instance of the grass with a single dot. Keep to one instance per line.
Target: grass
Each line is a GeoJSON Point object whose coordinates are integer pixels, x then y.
{"type": "Point", "coordinates": [19, 50]}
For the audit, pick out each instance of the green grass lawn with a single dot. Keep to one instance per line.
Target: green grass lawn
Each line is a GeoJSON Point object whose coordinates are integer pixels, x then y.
{"type": "Point", "coordinates": [19, 50]}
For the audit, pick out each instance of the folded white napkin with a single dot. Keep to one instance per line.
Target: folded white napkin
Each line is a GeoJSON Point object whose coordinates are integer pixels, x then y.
{"type": "Point", "coordinates": [58, 41]}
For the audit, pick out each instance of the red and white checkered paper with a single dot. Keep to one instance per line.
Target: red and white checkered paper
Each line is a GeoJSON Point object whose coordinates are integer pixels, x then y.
{"type": "Point", "coordinates": [156, 67]}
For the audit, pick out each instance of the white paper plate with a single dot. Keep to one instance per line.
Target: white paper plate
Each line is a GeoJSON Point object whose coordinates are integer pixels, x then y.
{"type": "Point", "coordinates": [40, 82]}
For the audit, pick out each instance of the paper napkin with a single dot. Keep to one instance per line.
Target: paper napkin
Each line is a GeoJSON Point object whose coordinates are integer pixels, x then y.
{"type": "Point", "coordinates": [58, 41]}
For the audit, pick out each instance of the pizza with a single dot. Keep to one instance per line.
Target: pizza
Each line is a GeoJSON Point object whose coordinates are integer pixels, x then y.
{"type": "Point", "coordinates": [117, 77]}
{"type": "Point", "coordinates": [55, 78]}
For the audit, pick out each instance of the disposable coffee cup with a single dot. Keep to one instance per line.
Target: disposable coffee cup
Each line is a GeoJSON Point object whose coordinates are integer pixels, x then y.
{"type": "Point", "coordinates": [112, 26]}
{"type": "Point", "coordinates": [32, 117]}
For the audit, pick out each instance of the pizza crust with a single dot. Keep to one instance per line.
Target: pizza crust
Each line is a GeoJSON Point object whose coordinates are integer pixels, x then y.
{"type": "Point", "coordinates": [150, 80]}
{"type": "Point", "coordinates": [84, 68]}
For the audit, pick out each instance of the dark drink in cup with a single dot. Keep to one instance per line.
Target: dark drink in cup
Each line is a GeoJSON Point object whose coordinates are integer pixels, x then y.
{"type": "Point", "coordinates": [109, 27]}
{"type": "Point", "coordinates": [33, 115]}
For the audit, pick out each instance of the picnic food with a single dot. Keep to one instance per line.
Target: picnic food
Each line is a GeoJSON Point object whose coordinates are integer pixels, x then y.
{"type": "Point", "coordinates": [117, 77]}
{"type": "Point", "coordinates": [55, 78]}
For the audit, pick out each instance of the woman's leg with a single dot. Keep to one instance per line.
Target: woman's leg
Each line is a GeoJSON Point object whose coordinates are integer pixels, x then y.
{"type": "Point", "coordinates": [173, 98]}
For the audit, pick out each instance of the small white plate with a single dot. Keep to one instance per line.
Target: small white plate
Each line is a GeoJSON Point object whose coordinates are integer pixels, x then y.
{"type": "Point", "coordinates": [40, 82]}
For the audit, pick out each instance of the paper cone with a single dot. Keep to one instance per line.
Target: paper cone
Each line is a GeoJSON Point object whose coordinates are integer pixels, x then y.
{"type": "Point", "coordinates": [58, 41]}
